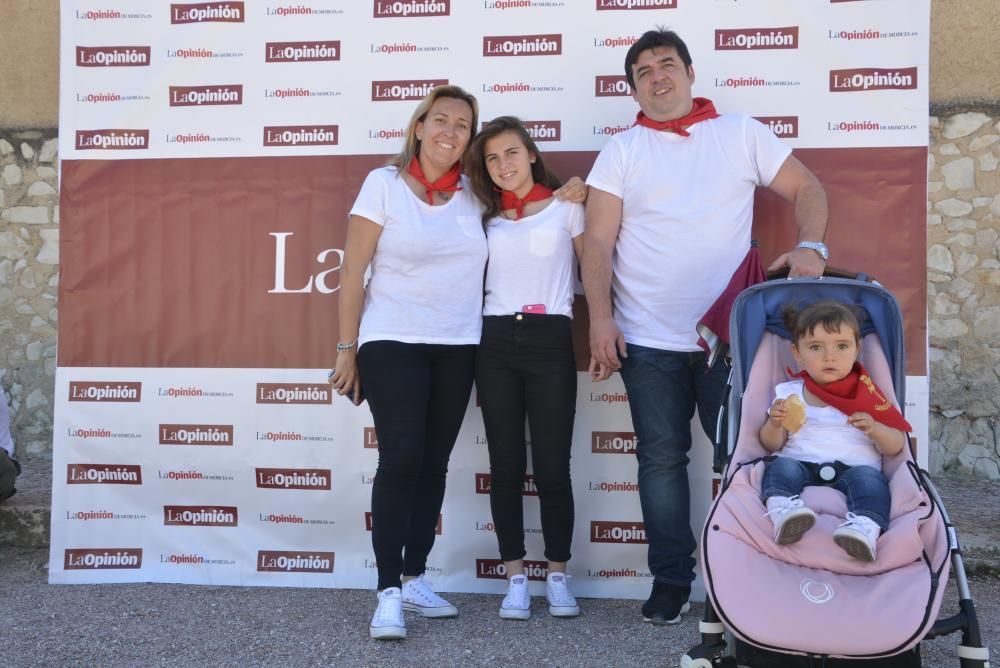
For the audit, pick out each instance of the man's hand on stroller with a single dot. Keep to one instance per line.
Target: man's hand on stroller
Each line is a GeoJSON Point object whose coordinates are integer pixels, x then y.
{"type": "Point", "coordinates": [800, 262]}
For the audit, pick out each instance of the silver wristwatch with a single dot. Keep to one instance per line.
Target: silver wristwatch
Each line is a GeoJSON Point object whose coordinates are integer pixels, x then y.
{"type": "Point", "coordinates": [817, 246]}
{"type": "Point", "coordinates": [341, 347]}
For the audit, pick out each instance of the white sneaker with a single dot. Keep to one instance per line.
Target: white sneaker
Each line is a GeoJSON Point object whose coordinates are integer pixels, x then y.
{"type": "Point", "coordinates": [387, 622]}
{"type": "Point", "coordinates": [561, 602]}
{"type": "Point", "coordinates": [857, 536]}
{"type": "Point", "coordinates": [420, 598]}
{"type": "Point", "coordinates": [517, 603]}
{"type": "Point", "coordinates": [791, 518]}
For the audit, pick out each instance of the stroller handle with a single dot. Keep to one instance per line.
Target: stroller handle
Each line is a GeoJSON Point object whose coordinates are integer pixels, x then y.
{"type": "Point", "coordinates": [828, 272]}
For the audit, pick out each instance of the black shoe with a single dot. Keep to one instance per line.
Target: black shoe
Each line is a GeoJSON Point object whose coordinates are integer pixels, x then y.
{"type": "Point", "coordinates": [666, 603]}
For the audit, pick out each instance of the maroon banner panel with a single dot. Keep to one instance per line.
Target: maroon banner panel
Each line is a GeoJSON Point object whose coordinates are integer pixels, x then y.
{"type": "Point", "coordinates": [234, 262]}
{"type": "Point", "coordinates": [878, 225]}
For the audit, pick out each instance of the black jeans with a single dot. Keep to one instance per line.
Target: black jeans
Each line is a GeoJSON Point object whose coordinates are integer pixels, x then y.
{"type": "Point", "coordinates": [525, 367]}
{"type": "Point", "coordinates": [418, 394]}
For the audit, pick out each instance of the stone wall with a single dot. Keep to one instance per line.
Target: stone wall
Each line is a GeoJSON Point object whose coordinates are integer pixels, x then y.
{"type": "Point", "coordinates": [29, 279]}
{"type": "Point", "coordinates": [963, 68]}
{"type": "Point", "coordinates": [963, 283]}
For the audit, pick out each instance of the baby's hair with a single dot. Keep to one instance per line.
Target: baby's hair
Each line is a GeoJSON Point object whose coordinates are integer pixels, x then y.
{"type": "Point", "coordinates": [828, 313]}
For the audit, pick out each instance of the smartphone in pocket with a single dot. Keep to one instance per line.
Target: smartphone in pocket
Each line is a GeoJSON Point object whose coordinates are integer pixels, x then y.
{"type": "Point", "coordinates": [538, 309]}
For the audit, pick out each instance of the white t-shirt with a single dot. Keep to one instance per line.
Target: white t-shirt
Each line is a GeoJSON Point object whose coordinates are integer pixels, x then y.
{"type": "Point", "coordinates": [426, 282]}
{"type": "Point", "coordinates": [532, 260]}
{"type": "Point", "coordinates": [826, 436]}
{"type": "Point", "coordinates": [687, 207]}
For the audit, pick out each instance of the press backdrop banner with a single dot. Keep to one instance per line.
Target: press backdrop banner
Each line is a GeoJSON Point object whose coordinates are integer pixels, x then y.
{"type": "Point", "coordinates": [210, 153]}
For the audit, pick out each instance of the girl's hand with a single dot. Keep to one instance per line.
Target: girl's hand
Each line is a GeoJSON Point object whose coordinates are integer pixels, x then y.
{"type": "Point", "coordinates": [574, 190]}
{"type": "Point", "coordinates": [598, 371]}
{"type": "Point", "coordinates": [778, 412]}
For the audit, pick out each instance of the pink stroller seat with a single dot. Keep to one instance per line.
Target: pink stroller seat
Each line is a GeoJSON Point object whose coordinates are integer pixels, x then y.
{"type": "Point", "coordinates": [811, 596]}
{"type": "Point", "coordinates": [809, 603]}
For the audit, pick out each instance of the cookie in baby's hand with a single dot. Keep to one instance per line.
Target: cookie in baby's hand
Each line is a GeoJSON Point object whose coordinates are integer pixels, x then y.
{"type": "Point", "coordinates": [796, 416]}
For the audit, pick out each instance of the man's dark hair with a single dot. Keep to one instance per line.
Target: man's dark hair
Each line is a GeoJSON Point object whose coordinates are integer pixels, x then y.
{"type": "Point", "coordinates": [650, 40]}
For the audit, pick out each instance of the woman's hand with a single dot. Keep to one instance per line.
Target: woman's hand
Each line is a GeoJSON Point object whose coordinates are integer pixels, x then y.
{"type": "Point", "coordinates": [345, 377]}
{"type": "Point", "coordinates": [574, 190]}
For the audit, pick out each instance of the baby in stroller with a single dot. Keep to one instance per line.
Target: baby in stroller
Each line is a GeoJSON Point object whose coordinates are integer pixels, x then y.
{"type": "Point", "coordinates": [832, 426]}
{"type": "Point", "coordinates": [804, 603]}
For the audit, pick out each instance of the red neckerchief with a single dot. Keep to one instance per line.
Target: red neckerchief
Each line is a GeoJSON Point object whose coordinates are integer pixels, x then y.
{"type": "Point", "coordinates": [509, 199]}
{"type": "Point", "coordinates": [447, 183]}
{"type": "Point", "coordinates": [702, 109]}
{"type": "Point", "coordinates": [856, 392]}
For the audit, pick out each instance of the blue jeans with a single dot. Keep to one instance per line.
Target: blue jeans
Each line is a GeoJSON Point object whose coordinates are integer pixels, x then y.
{"type": "Point", "coordinates": [865, 487]}
{"type": "Point", "coordinates": [664, 387]}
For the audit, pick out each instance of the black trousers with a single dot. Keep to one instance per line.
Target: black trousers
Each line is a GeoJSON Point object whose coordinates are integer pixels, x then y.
{"type": "Point", "coordinates": [418, 394]}
{"type": "Point", "coordinates": [525, 368]}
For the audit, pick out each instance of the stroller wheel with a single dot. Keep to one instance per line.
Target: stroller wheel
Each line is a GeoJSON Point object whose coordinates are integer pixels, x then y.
{"type": "Point", "coordinates": [688, 662]}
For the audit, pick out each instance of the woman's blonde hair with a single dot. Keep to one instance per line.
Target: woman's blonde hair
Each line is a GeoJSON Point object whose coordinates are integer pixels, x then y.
{"type": "Point", "coordinates": [411, 145]}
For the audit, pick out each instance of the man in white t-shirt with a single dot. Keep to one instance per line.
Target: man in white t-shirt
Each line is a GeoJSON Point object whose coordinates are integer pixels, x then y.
{"type": "Point", "coordinates": [668, 222]}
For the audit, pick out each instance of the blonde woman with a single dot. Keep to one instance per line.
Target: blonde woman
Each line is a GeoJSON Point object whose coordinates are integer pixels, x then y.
{"type": "Point", "coordinates": [411, 333]}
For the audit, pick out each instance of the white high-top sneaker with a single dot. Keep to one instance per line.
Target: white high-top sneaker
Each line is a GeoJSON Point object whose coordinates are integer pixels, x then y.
{"type": "Point", "coordinates": [791, 518]}
{"type": "Point", "coordinates": [517, 603]}
{"type": "Point", "coordinates": [857, 536]}
{"type": "Point", "coordinates": [561, 602]}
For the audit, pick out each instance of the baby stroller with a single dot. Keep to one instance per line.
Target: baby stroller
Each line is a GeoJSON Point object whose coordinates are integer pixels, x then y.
{"type": "Point", "coordinates": [809, 603]}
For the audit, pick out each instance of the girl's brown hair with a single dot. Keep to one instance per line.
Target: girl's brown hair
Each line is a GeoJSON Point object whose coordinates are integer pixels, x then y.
{"type": "Point", "coordinates": [479, 176]}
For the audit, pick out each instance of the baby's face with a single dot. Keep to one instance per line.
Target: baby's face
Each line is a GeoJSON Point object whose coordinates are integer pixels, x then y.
{"type": "Point", "coordinates": [826, 356]}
